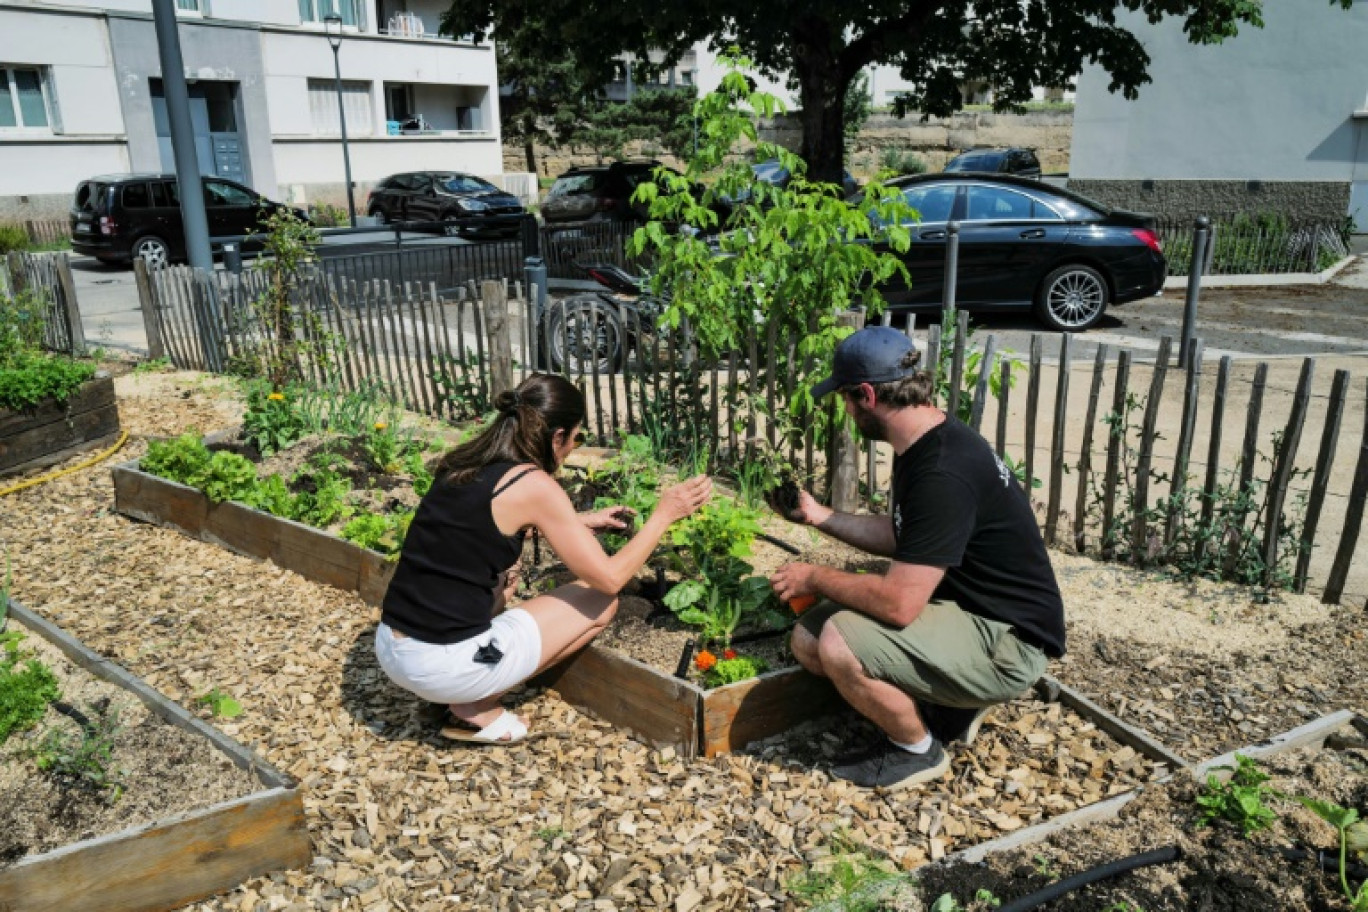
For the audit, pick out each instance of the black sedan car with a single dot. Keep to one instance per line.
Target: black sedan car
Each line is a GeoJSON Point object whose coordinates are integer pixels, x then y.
{"type": "Point", "coordinates": [452, 203]}
{"type": "Point", "coordinates": [1025, 246]}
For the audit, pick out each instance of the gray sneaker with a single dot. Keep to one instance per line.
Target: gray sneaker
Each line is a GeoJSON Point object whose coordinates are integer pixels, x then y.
{"type": "Point", "coordinates": [893, 768]}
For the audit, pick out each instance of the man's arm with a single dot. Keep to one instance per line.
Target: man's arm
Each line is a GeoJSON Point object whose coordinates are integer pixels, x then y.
{"type": "Point", "coordinates": [896, 598]}
{"type": "Point", "coordinates": [866, 532]}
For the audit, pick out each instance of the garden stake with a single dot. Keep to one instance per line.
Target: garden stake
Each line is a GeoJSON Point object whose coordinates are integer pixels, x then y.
{"type": "Point", "coordinates": [682, 670]}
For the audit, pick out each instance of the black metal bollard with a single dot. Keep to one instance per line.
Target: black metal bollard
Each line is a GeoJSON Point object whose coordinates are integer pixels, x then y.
{"type": "Point", "coordinates": [1200, 259]}
{"type": "Point", "coordinates": [232, 259]}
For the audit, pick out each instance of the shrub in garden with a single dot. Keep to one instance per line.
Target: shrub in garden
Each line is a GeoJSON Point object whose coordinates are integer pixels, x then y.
{"type": "Point", "coordinates": [790, 257]}
{"type": "Point", "coordinates": [28, 375]}
{"type": "Point", "coordinates": [12, 237]}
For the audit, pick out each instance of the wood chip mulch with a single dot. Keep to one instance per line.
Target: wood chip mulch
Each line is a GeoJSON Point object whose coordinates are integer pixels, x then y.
{"type": "Point", "coordinates": [582, 817]}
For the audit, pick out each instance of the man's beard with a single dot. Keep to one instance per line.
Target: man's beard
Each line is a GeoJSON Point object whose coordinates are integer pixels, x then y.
{"type": "Point", "coordinates": [870, 426]}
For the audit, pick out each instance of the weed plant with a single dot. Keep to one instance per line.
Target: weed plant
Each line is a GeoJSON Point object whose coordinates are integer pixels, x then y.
{"type": "Point", "coordinates": [27, 686]}
{"type": "Point", "coordinates": [13, 238]}
{"type": "Point", "coordinates": [83, 759]}
{"type": "Point", "coordinates": [221, 705]}
{"type": "Point", "coordinates": [1217, 535]}
{"type": "Point", "coordinates": [849, 880]}
{"type": "Point", "coordinates": [1353, 837]}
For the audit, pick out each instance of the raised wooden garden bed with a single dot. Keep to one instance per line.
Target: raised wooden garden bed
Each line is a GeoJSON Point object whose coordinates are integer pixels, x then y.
{"type": "Point", "coordinates": [174, 861]}
{"type": "Point", "coordinates": [52, 432]}
{"type": "Point", "coordinates": [662, 710]}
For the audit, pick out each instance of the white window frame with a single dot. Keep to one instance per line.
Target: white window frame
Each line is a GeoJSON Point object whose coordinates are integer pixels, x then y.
{"type": "Point", "coordinates": [191, 7]}
{"type": "Point", "coordinates": [323, 107]}
{"type": "Point", "coordinates": [11, 98]}
{"type": "Point", "coordinates": [317, 9]}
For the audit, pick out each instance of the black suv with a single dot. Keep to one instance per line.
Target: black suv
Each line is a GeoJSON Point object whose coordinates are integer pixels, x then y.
{"type": "Point", "coordinates": [453, 203]}
{"type": "Point", "coordinates": [598, 193]}
{"type": "Point", "coordinates": [1017, 162]}
{"type": "Point", "coordinates": [117, 217]}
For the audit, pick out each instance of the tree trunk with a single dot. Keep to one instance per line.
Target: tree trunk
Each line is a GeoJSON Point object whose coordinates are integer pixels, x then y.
{"type": "Point", "coordinates": [822, 89]}
{"type": "Point", "coordinates": [530, 151]}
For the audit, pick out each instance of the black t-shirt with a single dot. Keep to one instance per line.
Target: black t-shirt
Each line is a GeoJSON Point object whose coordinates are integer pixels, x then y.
{"type": "Point", "coordinates": [956, 505]}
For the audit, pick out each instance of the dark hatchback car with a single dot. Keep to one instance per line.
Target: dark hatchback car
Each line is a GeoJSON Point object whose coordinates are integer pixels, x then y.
{"type": "Point", "coordinates": [118, 217]}
{"type": "Point", "coordinates": [1017, 162]}
{"type": "Point", "coordinates": [1025, 246]}
{"type": "Point", "coordinates": [455, 204]}
{"type": "Point", "coordinates": [599, 193]}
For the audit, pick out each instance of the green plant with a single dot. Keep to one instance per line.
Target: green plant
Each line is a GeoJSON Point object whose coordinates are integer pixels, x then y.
{"type": "Point", "coordinates": [417, 469]}
{"type": "Point", "coordinates": [326, 215]}
{"type": "Point", "coordinates": [729, 669]}
{"type": "Point", "coordinates": [849, 879]}
{"type": "Point", "coordinates": [322, 498]}
{"type": "Point", "coordinates": [28, 378]}
{"type": "Point", "coordinates": [717, 603]}
{"type": "Point", "coordinates": [1123, 906]}
{"type": "Point", "coordinates": [788, 259]}
{"type": "Point", "coordinates": [896, 162]}
{"type": "Point", "coordinates": [551, 834]}
{"type": "Point", "coordinates": [227, 476]}
{"type": "Point", "coordinates": [22, 318]}
{"type": "Point", "coordinates": [1353, 836]}
{"type": "Point", "coordinates": [12, 237]}
{"type": "Point", "coordinates": [382, 447]}
{"type": "Point", "coordinates": [83, 759]}
{"type": "Point", "coordinates": [383, 532]}
{"type": "Point", "coordinates": [27, 686]}
{"type": "Point", "coordinates": [983, 899]}
{"type": "Point", "coordinates": [153, 366]}
{"type": "Point", "coordinates": [273, 495]}
{"type": "Point", "coordinates": [180, 459]}
{"type": "Point", "coordinates": [290, 248]}
{"type": "Point", "coordinates": [1045, 866]}
{"type": "Point", "coordinates": [272, 421]}
{"type": "Point", "coordinates": [463, 393]}
{"type": "Point", "coordinates": [221, 705]}
{"type": "Point", "coordinates": [1240, 799]}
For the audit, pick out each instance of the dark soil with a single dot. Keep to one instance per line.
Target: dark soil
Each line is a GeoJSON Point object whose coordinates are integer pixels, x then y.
{"type": "Point", "coordinates": [1219, 869]}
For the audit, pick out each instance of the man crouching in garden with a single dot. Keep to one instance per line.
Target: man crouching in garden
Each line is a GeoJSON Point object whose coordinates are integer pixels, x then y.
{"type": "Point", "coordinates": [968, 610]}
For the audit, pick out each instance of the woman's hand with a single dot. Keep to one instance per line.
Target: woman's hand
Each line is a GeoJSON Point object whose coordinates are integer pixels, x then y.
{"type": "Point", "coordinates": [609, 519]}
{"type": "Point", "coordinates": [506, 587]}
{"type": "Point", "coordinates": [685, 498]}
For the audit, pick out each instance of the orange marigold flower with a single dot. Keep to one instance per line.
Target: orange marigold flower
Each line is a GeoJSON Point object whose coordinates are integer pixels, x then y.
{"type": "Point", "coordinates": [380, 425]}
{"type": "Point", "coordinates": [729, 654]}
{"type": "Point", "coordinates": [276, 397]}
{"type": "Point", "coordinates": [705, 660]}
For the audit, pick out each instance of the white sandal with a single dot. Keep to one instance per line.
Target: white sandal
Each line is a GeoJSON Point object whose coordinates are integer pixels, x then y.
{"type": "Point", "coordinates": [505, 729]}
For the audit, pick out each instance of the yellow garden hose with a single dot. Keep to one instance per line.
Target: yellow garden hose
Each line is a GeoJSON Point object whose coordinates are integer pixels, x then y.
{"type": "Point", "coordinates": [100, 457]}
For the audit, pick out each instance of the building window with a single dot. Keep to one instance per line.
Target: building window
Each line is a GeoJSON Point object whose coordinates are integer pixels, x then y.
{"type": "Point", "coordinates": [356, 99]}
{"type": "Point", "coordinates": [23, 103]}
{"type": "Point", "coordinates": [316, 10]}
{"type": "Point", "coordinates": [190, 6]}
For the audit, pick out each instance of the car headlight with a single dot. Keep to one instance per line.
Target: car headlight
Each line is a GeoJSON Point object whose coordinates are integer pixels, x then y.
{"type": "Point", "coordinates": [472, 205]}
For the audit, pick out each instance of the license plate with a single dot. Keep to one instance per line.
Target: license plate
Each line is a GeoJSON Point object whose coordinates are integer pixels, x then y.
{"type": "Point", "coordinates": [83, 226]}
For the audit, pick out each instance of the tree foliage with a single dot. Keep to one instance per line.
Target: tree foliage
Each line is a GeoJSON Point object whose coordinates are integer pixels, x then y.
{"type": "Point", "coordinates": [786, 261]}
{"type": "Point", "coordinates": [1010, 45]}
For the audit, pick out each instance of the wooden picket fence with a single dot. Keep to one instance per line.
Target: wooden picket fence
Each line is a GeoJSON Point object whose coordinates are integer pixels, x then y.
{"type": "Point", "coordinates": [47, 278]}
{"type": "Point", "coordinates": [447, 355]}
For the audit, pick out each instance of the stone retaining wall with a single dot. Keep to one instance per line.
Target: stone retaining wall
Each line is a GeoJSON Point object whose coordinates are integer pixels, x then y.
{"type": "Point", "coordinates": [1297, 200]}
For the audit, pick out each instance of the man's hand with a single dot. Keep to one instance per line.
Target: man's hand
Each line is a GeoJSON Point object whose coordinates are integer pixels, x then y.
{"type": "Point", "coordinates": [809, 512]}
{"type": "Point", "coordinates": [793, 580]}
{"type": "Point", "coordinates": [609, 519]}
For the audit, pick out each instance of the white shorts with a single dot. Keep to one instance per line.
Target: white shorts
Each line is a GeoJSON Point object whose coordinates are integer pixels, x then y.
{"type": "Point", "coordinates": [450, 674]}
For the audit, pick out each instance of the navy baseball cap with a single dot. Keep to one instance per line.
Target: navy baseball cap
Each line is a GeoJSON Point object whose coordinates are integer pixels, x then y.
{"type": "Point", "coordinates": [870, 355]}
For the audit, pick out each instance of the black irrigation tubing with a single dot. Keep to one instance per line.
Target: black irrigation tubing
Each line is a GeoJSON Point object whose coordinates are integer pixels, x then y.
{"type": "Point", "coordinates": [755, 635]}
{"type": "Point", "coordinates": [779, 543]}
{"type": "Point", "coordinates": [1093, 875]}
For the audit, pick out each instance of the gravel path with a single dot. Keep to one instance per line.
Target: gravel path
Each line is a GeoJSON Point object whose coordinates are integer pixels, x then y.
{"type": "Point", "coordinates": [584, 817]}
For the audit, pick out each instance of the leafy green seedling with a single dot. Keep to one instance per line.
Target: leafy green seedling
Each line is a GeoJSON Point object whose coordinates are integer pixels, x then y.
{"type": "Point", "coordinates": [83, 760]}
{"type": "Point", "coordinates": [221, 705]}
{"type": "Point", "coordinates": [1239, 800]}
{"type": "Point", "coordinates": [25, 689]}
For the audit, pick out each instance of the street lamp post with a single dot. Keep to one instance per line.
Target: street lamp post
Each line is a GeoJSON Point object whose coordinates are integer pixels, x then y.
{"type": "Point", "coordinates": [332, 25]}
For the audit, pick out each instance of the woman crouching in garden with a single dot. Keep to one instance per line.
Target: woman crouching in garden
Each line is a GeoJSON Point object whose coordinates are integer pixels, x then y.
{"type": "Point", "coordinates": [444, 632]}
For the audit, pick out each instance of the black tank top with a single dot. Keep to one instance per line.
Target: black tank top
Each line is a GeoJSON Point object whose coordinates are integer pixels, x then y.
{"type": "Point", "coordinates": [443, 588]}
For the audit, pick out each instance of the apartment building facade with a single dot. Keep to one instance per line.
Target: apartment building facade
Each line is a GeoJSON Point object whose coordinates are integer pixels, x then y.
{"type": "Point", "coordinates": [81, 94]}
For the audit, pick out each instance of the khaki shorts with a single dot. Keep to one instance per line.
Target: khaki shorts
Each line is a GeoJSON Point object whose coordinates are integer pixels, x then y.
{"type": "Point", "coordinates": [947, 656]}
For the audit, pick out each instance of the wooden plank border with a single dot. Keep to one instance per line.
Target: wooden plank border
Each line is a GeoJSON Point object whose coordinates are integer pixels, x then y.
{"type": "Point", "coordinates": [175, 861]}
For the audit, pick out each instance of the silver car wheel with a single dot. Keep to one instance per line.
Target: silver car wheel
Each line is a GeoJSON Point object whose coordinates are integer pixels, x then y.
{"type": "Point", "coordinates": [152, 251]}
{"type": "Point", "coordinates": [1076, 298]}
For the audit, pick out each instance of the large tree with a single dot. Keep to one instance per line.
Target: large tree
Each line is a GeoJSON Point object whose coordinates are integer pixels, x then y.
{"type": "Point", "coordinates": [1012, 45]}
{"type": "Point", "coordinates": [546, 99]}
